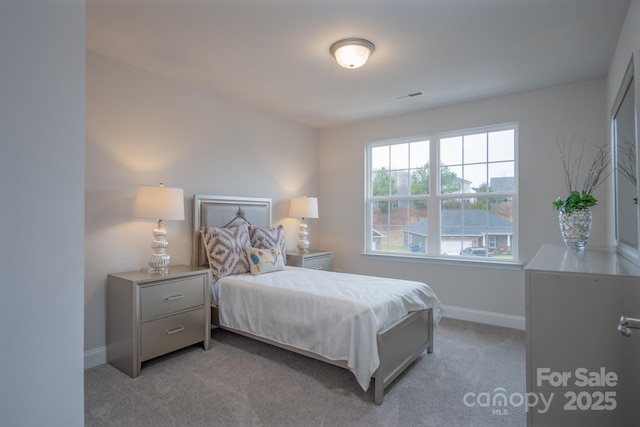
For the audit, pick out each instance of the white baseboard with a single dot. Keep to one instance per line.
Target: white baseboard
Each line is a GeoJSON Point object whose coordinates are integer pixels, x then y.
{"type": "Point", "coordinates": [98, 356]}
{"type": "Point", "coordinates": [95, 357]}
{"type": "Point", "coordinates": [487, 317]}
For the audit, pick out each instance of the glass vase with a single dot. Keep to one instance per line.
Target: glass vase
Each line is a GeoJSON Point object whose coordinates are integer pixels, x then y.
{"type": "Point", "coordinates": [575, 227]}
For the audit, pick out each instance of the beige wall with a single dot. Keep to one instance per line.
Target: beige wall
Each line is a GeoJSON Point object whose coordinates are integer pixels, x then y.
{"type": "Point", "coordinates": [144, 129]}
{"type": "Point", "coordinates": [481, 293]}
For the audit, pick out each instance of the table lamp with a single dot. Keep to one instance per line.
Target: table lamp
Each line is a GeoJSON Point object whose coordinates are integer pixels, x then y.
{"type": "Point", "coordinates": [303, 207]}
{"type": "Point", "coordinates": [159, 203]}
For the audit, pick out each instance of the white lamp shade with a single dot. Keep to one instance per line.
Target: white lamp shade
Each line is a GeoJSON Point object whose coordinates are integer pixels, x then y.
{"type": "Point", "coordinates": [159, 202]}
{"type": "Point", "coordinates": [303, 207]}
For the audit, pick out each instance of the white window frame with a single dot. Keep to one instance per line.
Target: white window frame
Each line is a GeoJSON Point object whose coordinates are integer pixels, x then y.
{"type": "Point", "coordinates": [434, 198]}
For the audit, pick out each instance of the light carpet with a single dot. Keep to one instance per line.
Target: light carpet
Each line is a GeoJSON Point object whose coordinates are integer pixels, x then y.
{"type": "Point", "coordinates": [242, 382]}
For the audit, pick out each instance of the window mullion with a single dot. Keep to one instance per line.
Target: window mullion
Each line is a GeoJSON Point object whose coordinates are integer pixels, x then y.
{"type": "Point", "coordinates": [433, 210]}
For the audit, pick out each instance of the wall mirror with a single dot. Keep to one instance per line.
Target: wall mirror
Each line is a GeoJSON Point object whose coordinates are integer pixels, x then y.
{"type": "Point", "coordinates": [624, 141]}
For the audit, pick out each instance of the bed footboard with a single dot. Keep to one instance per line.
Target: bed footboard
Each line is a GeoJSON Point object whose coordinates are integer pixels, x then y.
{"type": "Point", "coordinates": [399, 345]}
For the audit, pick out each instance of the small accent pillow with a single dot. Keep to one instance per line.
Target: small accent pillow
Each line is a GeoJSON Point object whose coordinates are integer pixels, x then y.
{"type": "Point", "coordinates": [264, 260]}
{"type": "Point", "coordinates": [225, 250]}
{"type": "Point", "coordinates": [268, 237]}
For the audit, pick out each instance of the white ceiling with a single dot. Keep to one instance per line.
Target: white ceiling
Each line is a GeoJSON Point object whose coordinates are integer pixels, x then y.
{"type": "Point", "coordinates": [274, 54]}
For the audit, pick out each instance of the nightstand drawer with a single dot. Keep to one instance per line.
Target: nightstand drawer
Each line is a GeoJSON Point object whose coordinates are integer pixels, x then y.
{"type": "Point", "coordinates": [171, 333]}
{"type": "Point", "coordinates": [315, 260]}
{"type": "Point", "coordinates": [319, 262]}
{"type": "Point", "coordinates": [169, 297]}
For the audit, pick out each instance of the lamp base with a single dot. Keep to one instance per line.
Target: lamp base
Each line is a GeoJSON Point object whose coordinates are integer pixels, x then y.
{"type": "Point", "coordinates": [303, 241]}
{"type": "Point", "coordinates": [156, 270]}
{"type": "Point", "coordinates": [159, 261]}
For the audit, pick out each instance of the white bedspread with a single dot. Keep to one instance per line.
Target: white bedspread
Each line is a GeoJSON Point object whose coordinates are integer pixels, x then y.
{"type": "Point", "coordinates": [335, 315]}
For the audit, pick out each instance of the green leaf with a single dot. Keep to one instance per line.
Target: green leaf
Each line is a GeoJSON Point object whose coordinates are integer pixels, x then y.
{"type": "Point", "coordinates": [576, 200]}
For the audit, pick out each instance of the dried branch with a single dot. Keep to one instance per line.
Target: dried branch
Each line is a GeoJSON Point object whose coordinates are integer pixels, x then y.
{"type": "Point", "coordinates": [571, 166]}
{"type": "Point", "coordinates": [593, 178]}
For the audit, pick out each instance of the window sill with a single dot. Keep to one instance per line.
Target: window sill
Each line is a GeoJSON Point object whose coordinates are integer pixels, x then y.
{"type": "Point", "coordinates": [465, 262]}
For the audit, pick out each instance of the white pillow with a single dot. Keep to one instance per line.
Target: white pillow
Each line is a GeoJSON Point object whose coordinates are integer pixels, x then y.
{"type": "Point", "coordinates": [264, 260]}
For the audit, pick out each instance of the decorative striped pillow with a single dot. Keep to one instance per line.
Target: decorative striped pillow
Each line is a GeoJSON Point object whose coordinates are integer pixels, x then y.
{"type": "Point", "coordinates": [268, 237]}
{"type": "Point", "coordinates": [225, 249]}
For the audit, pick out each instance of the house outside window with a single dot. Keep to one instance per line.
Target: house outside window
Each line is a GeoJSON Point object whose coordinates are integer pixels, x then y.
{"type": "Point", "coordinates": [444, 195]}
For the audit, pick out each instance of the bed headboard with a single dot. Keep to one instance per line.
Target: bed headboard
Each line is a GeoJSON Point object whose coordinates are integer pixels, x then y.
{"type": "Point", "coordinates": [223, 211]}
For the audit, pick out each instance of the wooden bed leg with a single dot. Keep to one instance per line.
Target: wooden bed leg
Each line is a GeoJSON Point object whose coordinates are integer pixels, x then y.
{"type": "Point", "coordinates": [378, 391]}
{"type": "Point", "coordinates": [430, 332]}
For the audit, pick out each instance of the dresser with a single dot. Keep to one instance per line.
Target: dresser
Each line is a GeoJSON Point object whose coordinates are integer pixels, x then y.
{"type": "Point", "coordinates": [316, 260]}
{"type": "Point", "coordinates": [149, 315]}
{"type": "Point", "coordinates": [576, 360]}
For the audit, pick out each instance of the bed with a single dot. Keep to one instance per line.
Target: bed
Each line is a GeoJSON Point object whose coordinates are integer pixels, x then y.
{"type": "Point", "coordinates": [280, 307]}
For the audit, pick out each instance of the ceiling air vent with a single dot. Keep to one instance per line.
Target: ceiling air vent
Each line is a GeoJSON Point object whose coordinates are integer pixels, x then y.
{"type": "Point", "coordinates": [408, 95]}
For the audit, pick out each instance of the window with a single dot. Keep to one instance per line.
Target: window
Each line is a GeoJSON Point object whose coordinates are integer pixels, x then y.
{"type": "Point", "coordinates": [451, 195]}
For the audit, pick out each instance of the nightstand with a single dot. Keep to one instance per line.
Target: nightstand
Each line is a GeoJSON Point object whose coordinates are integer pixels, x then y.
{"type": "Point", "coordinates": [316, 260]}
{"type": "Point", "coordinates": [149, 315]}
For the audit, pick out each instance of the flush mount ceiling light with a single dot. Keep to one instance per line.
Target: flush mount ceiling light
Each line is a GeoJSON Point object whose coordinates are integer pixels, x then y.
{"type": "Point", "coordinates": [352, 53]}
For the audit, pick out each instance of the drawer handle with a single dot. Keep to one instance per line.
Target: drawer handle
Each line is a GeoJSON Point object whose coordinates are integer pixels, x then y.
{"type": "Point", "coordinates": [175, 331]}
{"type": "Point", "coordinates": [175, 297]}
